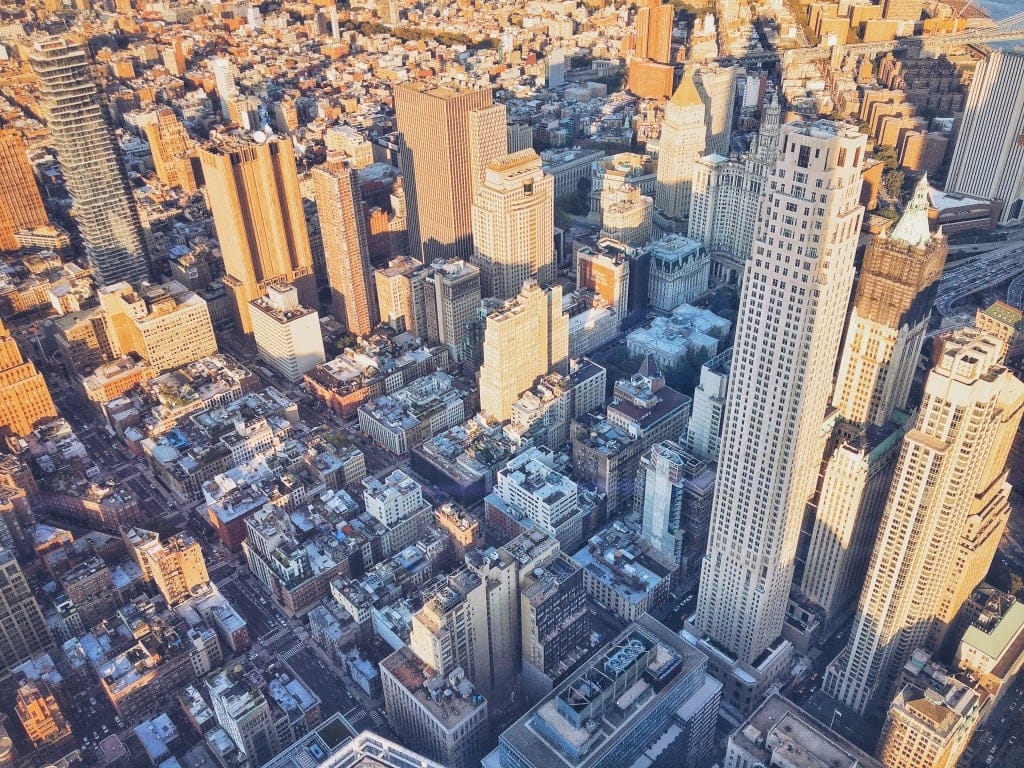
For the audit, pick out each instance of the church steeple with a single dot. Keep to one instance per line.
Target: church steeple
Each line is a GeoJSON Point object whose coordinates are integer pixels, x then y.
{"type": "Point", "coordinates": [913, 228]}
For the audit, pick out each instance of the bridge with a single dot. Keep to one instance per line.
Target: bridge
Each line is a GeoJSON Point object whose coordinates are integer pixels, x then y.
{"type": "Point", "coordinates": [1010, 28]}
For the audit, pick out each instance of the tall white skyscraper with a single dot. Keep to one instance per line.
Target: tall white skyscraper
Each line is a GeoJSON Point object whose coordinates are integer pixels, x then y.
{"type": "Point", "coordinates": [514, 224]}
{"type": "Point", "coordinates": [969, 413]}
{"type": "Point", "coordinates": [224, 77]}
{"type": "Point", "coordinates": [792, 309]}
{"type": "Point", "coordinates": [108, 221]}
{"type": "Point", "coordinates": [988, 159]}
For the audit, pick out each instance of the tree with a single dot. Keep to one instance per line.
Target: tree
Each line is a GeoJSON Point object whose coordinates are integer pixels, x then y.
{"type": "Point", "coordinates": [583, 195]}
{"type": "Point", "coordinates": [893, 181]}
{"type": "Point", "coordinates": [887, 155]}
{"type": "Point", "coordinates": [1016, 584]}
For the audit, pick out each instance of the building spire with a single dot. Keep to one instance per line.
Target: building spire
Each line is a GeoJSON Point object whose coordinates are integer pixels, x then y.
{"type": "Point", "coordinates": [686, 94]}
{"type": "Point", "coordinates": [912, 228]}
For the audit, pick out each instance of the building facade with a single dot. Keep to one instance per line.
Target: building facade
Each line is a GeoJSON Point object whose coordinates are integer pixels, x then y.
{"type": "Point", "coordinates": [513, 225]}
{"type": "Point", "coordinates": [438, 154]}
{"type": "Point", "coordinates": [988, 158]}
{"type": "Point", "coordinates": [780, 383]}
{"type": "Point", "coordinates": [104, 208]}
{"type": "Point", "coordinates": [525, 339]}
{"type": "Point", "coordinates": [252, 189]}
{"type": "Point", "coordinates": [346, 249]}
{"type": "Point", "coordinates": [957, 448]}
{"type": "Point", "coordinates": [21, 206]}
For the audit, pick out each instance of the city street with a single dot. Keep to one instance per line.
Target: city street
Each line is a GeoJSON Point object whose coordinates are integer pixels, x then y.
{"type": "Point", "coordinates": [332, 690]}
{"type": "Point", "coordinates": [253, 605]}
{"type": "Point", "coordinates": [998, 741]}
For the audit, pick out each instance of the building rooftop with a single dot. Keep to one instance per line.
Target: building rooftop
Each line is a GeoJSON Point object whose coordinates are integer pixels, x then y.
{"type": "Point", "coordinates": [617, 557]}
{"type": "Point", "coordinates": [330, 745]}
{"type": "Point", "coordinates": [780, 726]}
{"type": "Point", "coordinates": [450, 700]}
{"type": "Point", "coordinates": [577, 723]}
{"type": "Point", "coordinates": [408, 407]}
{"type": "Point", "coordinates": [470, 451]}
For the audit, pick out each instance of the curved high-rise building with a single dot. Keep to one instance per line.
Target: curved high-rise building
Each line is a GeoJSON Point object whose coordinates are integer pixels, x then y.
{"type": "Point", "coordinates": [103, 207]}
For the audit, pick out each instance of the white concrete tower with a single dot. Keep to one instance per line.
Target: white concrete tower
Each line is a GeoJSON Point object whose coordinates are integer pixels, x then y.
{"type": "Point", "coordinates": [792, 309]}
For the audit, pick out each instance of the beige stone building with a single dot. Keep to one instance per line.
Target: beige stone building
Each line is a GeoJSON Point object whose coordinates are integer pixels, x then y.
{"type": "Point", "coordinates": [525, 339]}
{"type": "Point", "coordinates": [166, 324]}
{"type": "Point", "coordinates": [513, 225]}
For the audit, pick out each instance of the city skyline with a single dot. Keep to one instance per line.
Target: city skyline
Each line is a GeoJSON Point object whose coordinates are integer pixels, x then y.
{"type": "Point", "coordinates": [503, 385]}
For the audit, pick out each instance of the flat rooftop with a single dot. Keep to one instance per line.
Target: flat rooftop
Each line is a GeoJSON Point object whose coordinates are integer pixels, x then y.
{"type": "Point", "coordinates": [666, 658]}
{"type": "Point", "coordinates": [781, 726]}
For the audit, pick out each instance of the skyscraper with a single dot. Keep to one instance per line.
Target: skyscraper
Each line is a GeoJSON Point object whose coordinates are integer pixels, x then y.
{"type": "Point", "coordinates": [792, 307]}
{"type": "Point", "coordinates": [970, 410]}
{"type": "Point", "coordinates": [21, 207]}
{"type": "Point", "coordinates": [104, 209]}
{"type": "Point", "coordinates": [438, 152]}
{"type": "Point", "coordinates": [654, 31]}
{"type": "Point", "coordinates": [717, 88]}
{"type": "Point", "coordinates": [346, 251]}
{"type": "Point", "coordinates": [698, 121]}
{"type": "Point", "coordinates": [514, 224]}
{"type": "Point", "coordinates": [252, 189]}
{"type": "Point", "coordinates": [524, 339]}
{"type": "Point", "coordinates": [169, 143]}
{"type": "Point", "coordinates": [287, 335]}
{"type": "Point", "coordinates": [224, 76]}
{"type": "Point", "coordinates": [488, 131]}
{"type": "Point", "coordinates": [895, 291]}
{"type": "Point", "coordinates": [988, 159]}
{"type": "Point", "coordinates": [23, 630]}
{"type": "Point", "coordinates": [683, 135]}
{"type": "Point", "coordinates": [932, 718]}
{"type": "Point", "coordinates": [674, 492]}
{"type": "Point", "coordinates": [451, 298]}
{"type": "Point", "coordinates": [704, 430]}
